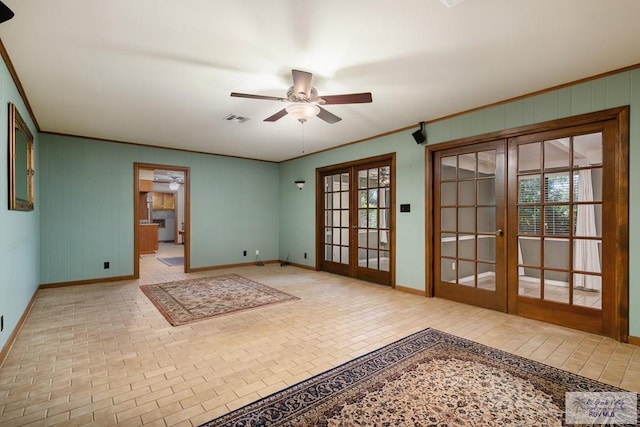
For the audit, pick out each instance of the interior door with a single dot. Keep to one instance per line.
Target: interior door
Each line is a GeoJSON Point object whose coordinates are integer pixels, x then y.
{"type": "Point", "coordinates": [356, 220]}
{"type": "Point", "coordinates": [560, 206]}
{"type": "Point", "coordinates": [469, 224]}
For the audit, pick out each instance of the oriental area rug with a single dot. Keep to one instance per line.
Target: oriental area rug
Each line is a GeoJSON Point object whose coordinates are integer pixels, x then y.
{"type": "Point", "coordinates": [190, 300]}
{"type": "Point", "coordinates": [427, 379]}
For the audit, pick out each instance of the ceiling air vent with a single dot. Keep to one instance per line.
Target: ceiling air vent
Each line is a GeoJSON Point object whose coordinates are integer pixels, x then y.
{"type": "Point", "coordinates": [236, 118]}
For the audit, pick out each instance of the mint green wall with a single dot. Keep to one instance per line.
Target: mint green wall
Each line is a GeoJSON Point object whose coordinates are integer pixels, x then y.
{"type": "Point", "coordinates": [86, 204]}
{"type": "Point", "coordinates": [297, 209]}
{"type": "Point", "coordinates": [19, 236]}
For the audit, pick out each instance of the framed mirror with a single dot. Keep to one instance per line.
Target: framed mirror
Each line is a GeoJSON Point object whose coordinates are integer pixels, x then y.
{"type": "Point", "coordinates": [21, 165]}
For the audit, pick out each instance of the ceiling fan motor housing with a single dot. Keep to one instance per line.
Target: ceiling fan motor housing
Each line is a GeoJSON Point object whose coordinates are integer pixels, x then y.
{"type": "Point", "coordinates": [302, 96]}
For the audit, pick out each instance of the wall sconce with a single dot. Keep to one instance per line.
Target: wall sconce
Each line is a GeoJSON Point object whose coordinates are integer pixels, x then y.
{"type": "Point", "coordinates": [300, 184]}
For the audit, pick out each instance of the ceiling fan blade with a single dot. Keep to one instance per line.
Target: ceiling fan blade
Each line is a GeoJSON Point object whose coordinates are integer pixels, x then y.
{"type": "Point", "coordinates": [248, 95]}
{"type": "Point", "coordinates": [277, 116]}
{"type": "Point", "coordinates": [5, 13]}
{"type": "Point", "coordinates": [328, 117]}
{"type": "Point", "coordinates": [302, 82]}
{"type": "Point", "coordinates": [350, 98]}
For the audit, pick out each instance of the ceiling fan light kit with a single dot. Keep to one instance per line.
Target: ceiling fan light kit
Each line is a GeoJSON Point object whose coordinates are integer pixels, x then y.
{"type": "Point", "coordinates": [302, 112]}
{"type": "Point", "coordinates": [305, 102]}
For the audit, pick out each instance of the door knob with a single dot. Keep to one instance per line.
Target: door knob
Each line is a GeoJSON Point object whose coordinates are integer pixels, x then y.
{"type": "Point", "coordinates": [499, 232]}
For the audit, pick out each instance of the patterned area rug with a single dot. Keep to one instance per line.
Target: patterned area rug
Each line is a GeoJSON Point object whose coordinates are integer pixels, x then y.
{"type": "Point", "coordinates": [427, 379]}
{"type": "Point", "coordinates": [172, 261]}
{"type": "Point", "coordinates": [190, 300]}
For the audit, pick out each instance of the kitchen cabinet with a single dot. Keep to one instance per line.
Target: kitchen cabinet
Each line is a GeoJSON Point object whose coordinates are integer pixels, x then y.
{"type": "Point", "coordinates": [148, 238]}
{"type": "Point", "coordinates": [145, 185]}
{"type": "Point", "coordinates": [162, 201]}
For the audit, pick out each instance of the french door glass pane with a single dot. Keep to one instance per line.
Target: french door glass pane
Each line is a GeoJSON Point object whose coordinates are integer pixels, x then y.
{"type": "Point", "coordinates": [448, 219]}
{"type": "Point", "coordinates": [384, 180]}
{"type": "Point", "coordinates": [372, 239]}
{"type": "Point", "coordinates": [467, 166]}
{"type": "Point", "coordinates": [362, 257]}
{"type": "Point", "coordinates": [467, 193]}
{"type": "Point", "coordinates": [529, 284]}
{"type": "Point", "coordinates": [529, 157]}
{"type": "Point", "coordinates": [344, 236]}
{"type": "Point", "coordinates": [556, 253]}
{"type": "Point", "coordinates": [487, 191]}
{"type": "Point", "coordinates": [467, 247]}
{"type": "Point", "coordinates": [345, 255]}
{"type": "Point", "coordinates": [448, 244]}
{"type": "Point", "coordinates": [448, 191]}
{"type": "Point", "coordinates": [587, 290]}
{"type": "Point", "coordinates": [529, 220]}
{"type": "Point", "coordinates": [384, 260]}
{"type": "Point", "coordinates": [487, 163]}
{"type": "Point", "coordinates": [467, 220]}
{"type": "Point", "coordinates": [587, 255]}
{"type": "Point", "coordinates": [448, 270]}
{"type": "Point", "coordinates": [385, 215]}
{"type": "Point", "coordinates": [557, 187]}
{"type": "Point", "coordinates": [556, 287]}
{"type": "Point", "coordinates": [587, 149]}
{"type": "Point", "coordinates": [486, 220]}
{"type": "Point", "coordinates": [363, 200]}
{"type": "Point", "coordinates": [467, 273]}
{"type": "Point", "coordinates": [344, 218]}
{"type": "Point", "coordinates": [336, 235]}
{"type": "Point", "coordinates": [529, 189]}
{"type": "Point", "coordinates": [487, 248]}
{"type": "Point", "coordinates": [448, 168]}
{"type": "Point", "coordinates": [373, 198]}
{"type": "Point", "coordinates": [336, 254]}
{"type": "Point", "coordinates": [487, 276]}
{"type": "Point", "coordinates": [344, 199]}
{"type": "Point", "coordinates": [556, 153]}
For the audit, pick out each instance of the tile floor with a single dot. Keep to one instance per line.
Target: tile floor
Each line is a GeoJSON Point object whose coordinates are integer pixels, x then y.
{"type": "Point", "coordinates": [102, 354]}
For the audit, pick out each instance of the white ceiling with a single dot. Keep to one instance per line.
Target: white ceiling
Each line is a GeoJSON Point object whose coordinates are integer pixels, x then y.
{"type": "Point", "coordinates": [160, 72]}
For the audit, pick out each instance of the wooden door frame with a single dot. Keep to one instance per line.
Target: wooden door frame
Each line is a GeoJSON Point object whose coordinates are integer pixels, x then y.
{"type": "Point", "coordinates": [389, 157]}
{"type": "Point", "coordinates": [137, 167]}
{"type": "Point", "coordinates": [620, 259]}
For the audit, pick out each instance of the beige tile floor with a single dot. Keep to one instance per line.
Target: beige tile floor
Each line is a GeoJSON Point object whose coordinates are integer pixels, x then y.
{"type": "Point", "coordinates": [101, 354]}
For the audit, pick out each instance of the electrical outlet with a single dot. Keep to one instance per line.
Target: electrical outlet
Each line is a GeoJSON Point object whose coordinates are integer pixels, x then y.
{"type": "Point", "coordinates": [244, 253]}
{"type": "Point", "coordinates": [453, 265]}
{"type": "Point", "coordinates": [106, 265]}
{"type": "Point", "coordinates": [257, 252]}
{"type": "Point", "coordinates": [305, 255]}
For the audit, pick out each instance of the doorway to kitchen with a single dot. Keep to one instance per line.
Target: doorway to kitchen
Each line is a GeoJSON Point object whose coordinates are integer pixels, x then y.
{"type": "Point", "coordinates": [161, 217]}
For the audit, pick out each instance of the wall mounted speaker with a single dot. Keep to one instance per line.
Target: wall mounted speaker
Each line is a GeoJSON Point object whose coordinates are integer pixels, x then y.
{"type": "Point", "coordinates": [420, 135]}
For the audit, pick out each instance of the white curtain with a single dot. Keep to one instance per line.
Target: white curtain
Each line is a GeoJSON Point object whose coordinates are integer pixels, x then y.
{"type": "Point", "coordinates": [586, 255]}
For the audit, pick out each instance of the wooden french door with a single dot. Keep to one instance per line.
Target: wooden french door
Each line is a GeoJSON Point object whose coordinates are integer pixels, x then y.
{"type": "Point", "coordinates": [558, 208]}
{"type": "Point", "coordinates": [536, 223]}
{"type": "Point", "coordinates": [355, 219]}
{"type": "Point", "coordinates": [470, 222]}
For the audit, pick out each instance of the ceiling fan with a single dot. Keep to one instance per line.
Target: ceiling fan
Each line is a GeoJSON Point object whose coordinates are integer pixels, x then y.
{"type": "Point", "coordinates": [305, 102]}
